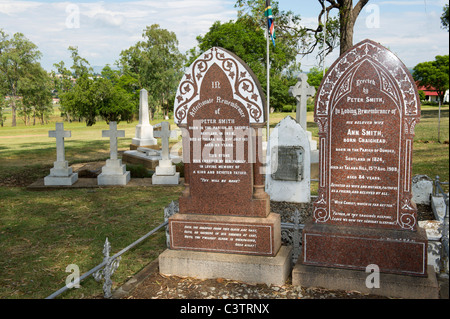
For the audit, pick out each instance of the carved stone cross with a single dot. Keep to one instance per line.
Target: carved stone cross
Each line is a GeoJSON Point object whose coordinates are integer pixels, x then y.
{"type": "Point", "coordinates": [302, 91]}
{"type": "Point", "coordinates": [113, 134]}
{"type": "Point", "coordinates": [165, 134]}
{"type": "Point", "coordinates": [59, 134]}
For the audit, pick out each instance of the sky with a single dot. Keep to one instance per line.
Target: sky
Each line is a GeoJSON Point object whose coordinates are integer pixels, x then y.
{"type": "Point", "coordinates": [102, 29]}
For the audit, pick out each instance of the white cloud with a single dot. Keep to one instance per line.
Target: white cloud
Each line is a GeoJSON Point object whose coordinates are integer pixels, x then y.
{"type": "Point", "coordinates": [107, 28]}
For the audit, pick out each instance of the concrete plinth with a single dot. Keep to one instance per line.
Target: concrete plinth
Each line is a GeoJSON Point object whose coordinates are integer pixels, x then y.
{"type": "Point", "coordinates": [391, 285]}
{"type": "Point", "coordinates": [61, 180]}
{"type": "Point", "coordinates": [249, 269]}
{"type": "Point", "coordinates": [166, 180]}
{"type": "Point", "coordinates": [114, 173]}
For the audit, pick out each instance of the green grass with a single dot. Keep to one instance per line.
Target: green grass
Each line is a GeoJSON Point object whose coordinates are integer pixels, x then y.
{"type": "Point", "coordinates": [41, 233]}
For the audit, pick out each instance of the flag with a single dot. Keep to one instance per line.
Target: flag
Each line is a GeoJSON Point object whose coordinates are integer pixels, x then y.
{"type": "Point", "coordinates": [270, 24]}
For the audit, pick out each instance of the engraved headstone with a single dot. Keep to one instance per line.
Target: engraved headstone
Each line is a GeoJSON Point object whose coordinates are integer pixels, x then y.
{"type": "Point", "coordinates": [114, 172]}
{"type": "Point", "coordinates": [220, 108]}
{"type": "Point", "coordinates": [289, 178]}
{"type": "Point", "coordinates": [366, 110]}
{"type": "Point", "coordinates": [61, 174]}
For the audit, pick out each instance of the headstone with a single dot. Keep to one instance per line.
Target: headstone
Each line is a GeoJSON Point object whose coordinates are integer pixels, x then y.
{"type": "Point", "coordinates": [114, 172]}
{"type": "Point", "coordinates": [422, 189]}
{"type": "Point", "coordinates": [144, 130]}
{"type": "Point", "coordinates": [366, 110]}
{"type": "Point", "coordinates": [61, 174]}
{"type": "Point", "coordinates": [165, 173]}
{"type": "Point", "coordinates": [224, 209]}
{"type": "Point", "coordinates": [289, 178]}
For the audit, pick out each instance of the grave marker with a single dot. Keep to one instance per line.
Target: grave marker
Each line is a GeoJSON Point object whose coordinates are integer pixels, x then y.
{"type": "Point", "coordinates": [165, 173]}
{"type": "Point", "coordinates": [302, 91]}
{"type": "Point", "coordinates": [224, 209]}
{"type": "Point", "coordinates": [114, 172]}
{"type": "Point", "coordinates": [61, 174]}
{"type": "Point", "coordinates": [366, 109]}
{"type": "Point", "coordinates": [289, 178]}
{"type": "Point", "coordinates": [144, 130]}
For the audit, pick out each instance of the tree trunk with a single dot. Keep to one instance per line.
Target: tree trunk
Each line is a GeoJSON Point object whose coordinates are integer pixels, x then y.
{"type": "Point", "coordinates": [347, 19]}
{"type": "Point", "coordinates": [346, 22]}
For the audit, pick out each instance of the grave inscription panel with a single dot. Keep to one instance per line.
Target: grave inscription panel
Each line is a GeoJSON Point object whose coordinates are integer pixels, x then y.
{"type": "Point", "coordinates": [367, 124]}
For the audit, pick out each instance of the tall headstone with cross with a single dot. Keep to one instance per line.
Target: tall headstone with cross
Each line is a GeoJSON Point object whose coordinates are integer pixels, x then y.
{"type": "Point", "coordinates": [165, 173]}
{"type": "Point", "coordinates": [144, 130]}
{"type": "Point", "coordinates": [61, 174]}
{"type": "Point", "coordinates": [114, 172]}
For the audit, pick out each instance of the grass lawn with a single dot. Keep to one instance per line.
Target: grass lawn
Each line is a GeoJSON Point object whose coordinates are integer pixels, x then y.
{"type": "Point", "coordinates": [41, 233]}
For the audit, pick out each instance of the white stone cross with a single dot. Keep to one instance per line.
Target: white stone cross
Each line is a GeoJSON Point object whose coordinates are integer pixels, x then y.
{"type": "Point", "coordinates": [165, 134]}
{"type": "Point", "coordinates": [60, 134]}
{"type": "Point", "coordinates": [113, 134]}
{"type": "Point", "coordinates": [301, 91]}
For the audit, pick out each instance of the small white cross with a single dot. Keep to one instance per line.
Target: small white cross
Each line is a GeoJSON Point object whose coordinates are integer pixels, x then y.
{"type": "Point", "coordinates": [60, 134]}
{"type": "Point", "coordinates": [113, 134]}
{"type": "Point", "coordinates": [165, 134]}
{"type": "Point", "coordinates": [301, 91]}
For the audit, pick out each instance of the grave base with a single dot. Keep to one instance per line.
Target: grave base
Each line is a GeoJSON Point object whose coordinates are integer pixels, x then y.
{"type": "Point", "coordinates": [391, 285]}
{"type": "Point", "coordinates": [249, 269]}
{"type": "Point", "coordinates": [165, 179]}
{"type": "Point", "coordinates": [61, 180]}
{"type": "Point", "coordinates": [106, 179]}
{"type": "Point", "coordinates": [393, 251]}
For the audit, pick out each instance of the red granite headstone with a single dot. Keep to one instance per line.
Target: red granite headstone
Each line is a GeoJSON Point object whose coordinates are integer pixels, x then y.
{"type": "Point", "coordinates": [366, 110]}
{"type": "Point", "coordinates": [220, 108]}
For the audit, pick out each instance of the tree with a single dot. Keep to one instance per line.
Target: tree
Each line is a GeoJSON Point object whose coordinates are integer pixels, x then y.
{"type": "Point", "coordinates": [445, 18]}
{"type": "Point", "coordinates": [339, 31]}
{"type": "Point", "coordinates": [155, 63]}
{"type": "Point", "coordinates": [92, 97]}
{"type": "Point", "coordinates": [35, 90]}
{"type": "Point", "coordinates": [17, 55]}
{"type": "Point", "coordinates": [246, 38]}
{"type": "Point", "coordinates": [434, 75]}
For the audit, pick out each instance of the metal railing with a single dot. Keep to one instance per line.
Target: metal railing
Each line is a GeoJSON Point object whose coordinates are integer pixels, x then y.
{"type": "Point", "coordinates": [107, 268]}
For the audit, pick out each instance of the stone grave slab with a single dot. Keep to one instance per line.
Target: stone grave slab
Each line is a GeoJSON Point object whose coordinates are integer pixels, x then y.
{"type": "Point", "coordinates": [289, 178]}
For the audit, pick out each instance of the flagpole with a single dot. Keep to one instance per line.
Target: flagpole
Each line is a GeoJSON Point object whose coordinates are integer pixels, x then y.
{"type": "Point", "coordinates": [268, 86]}
{"type": "Point", "coordinates": [268, 110]}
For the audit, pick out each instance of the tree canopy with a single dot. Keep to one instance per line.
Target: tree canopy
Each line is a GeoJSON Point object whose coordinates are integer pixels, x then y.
{"type": "Point", "coordinates": [154, 64]}
{"type": "Point", "coordinates": [246, 38]}
{"type": "Point", "coordinates": [434, 75]}
{"type": "Point", "coordinates": [18, 61]}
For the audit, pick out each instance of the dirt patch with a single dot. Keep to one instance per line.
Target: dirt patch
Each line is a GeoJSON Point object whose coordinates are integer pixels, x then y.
{"type": "Point", "coordinates": [157, 286]}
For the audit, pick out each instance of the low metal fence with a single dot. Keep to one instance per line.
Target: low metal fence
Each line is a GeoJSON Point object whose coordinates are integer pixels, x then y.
{"type": "Point", "coordinates": [107, 268]}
